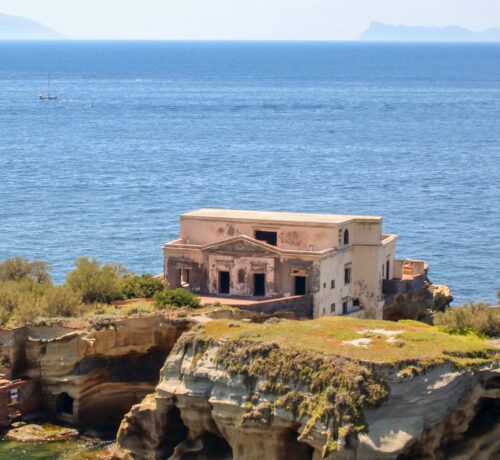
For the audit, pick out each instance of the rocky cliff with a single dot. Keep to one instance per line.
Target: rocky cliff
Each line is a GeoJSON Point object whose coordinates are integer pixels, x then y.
{"type": "Point", "coordinates": [90, 375]}
{"type": "Point", "coordinates": [332, 388]}
{"type": "Point", "coordinates": [419, 305]}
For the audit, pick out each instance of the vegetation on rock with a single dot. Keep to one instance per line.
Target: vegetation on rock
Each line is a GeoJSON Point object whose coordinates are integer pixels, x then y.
{"type": "Point", "coordinates": [176, 298]}
{"type": "Point", "coordinates": [27, 292]}
{"type": "Point", "coordinates": [478, 318]}
{"type": "Point", "coordinates": [315, 371]}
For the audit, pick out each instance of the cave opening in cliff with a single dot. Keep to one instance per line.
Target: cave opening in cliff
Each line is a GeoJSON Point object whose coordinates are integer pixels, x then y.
{"type": "Point", "coordinates": [65, 404]}
{"type": "Point", "coordinates": [481, 434]}
{"type": "Point", "coordinates": [296, 449]}
{"type": "Point", "coordinates": [215, 447]}
{"type": "Point", "coordinates": [176, 431]}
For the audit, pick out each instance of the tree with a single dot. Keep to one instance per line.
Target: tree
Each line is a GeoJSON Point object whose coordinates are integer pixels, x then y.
{"type": "Point", "coordinates": [142, 286]}
{"type": "Point", "coordinates": [177, 298]}
{"type": "Point", "coordinates": [96, 282]}
{"type": "Point", "coordinates": [18, 268]}
{"type": "Point", "coordinates": [61, 301]}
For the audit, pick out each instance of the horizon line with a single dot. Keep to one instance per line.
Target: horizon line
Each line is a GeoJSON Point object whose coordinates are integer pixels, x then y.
{"type": "Point", "coordinates": [249, 40]}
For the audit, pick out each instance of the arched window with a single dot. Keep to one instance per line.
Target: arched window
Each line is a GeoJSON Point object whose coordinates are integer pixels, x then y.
{"type": "Point", "coordinates": [346, 236]}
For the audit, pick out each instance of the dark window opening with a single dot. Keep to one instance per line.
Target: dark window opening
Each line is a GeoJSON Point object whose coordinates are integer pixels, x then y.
{"type": "Point", "coordinates": [268, 237]}
{"type": "Point", "coordinates": [345, 307]}
{"type": "Point", "coordinates": [332, 308]}
{"type": "Point", "coordinates": [347, 275]}
{"type": "Point", "coordinates": [332, 284]}
{"type": "Point", "coordinates": [224, 282]}
{"type": "Point", "coordinates": [259, 284]}
{"type": "Point", "coordinates": [346, 236]}
{"type": "Point", "coordinates": [65, 404]}
{"type": "Point", "coordinates": [387, 270]}
{"type": "Point", "coordinates": [356, 303]}
{"type": "Point", "coordinates": [300, 285]}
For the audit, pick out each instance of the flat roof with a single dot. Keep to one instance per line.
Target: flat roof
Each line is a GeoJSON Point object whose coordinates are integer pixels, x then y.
{"type": "Point", "coordinates": [274, 216]}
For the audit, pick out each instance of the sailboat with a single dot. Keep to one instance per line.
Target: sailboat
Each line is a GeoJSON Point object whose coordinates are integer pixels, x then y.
{"type": "Point", "coordinates": [48, 96]}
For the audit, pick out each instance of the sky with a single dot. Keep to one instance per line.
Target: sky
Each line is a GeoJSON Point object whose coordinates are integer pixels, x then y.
{"type": "Point", "coordinates": [246, 19]}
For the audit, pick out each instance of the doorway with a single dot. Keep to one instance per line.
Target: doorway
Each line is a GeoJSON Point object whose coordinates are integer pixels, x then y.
{"type": "Point", "coordinates": [224, 282]}
{"type": "Point", "coordinates": [300, 285]}
{"type": "Point", "coordinates": [184, 275]}
{"type": "Point", "coordinates": [259, 284]}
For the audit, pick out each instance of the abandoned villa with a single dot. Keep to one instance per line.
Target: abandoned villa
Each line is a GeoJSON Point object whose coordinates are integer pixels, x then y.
{"type": "Point", "coordinates": [325, 264]}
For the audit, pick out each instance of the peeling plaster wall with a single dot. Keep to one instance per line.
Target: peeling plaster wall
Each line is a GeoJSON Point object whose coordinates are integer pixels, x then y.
{"type": "Point", "coordinates": [241, 268]}
{"type": "Point", "coordinates": [365, 283]}
{"type": "Point", "coordinates": [202, 232]}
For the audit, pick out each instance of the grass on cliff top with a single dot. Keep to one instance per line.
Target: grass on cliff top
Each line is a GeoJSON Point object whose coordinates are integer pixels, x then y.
{"type": "Point", "coordinates": [417, 341]}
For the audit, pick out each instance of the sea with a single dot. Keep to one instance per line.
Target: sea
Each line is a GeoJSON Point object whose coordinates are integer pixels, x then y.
{"type": "Point", "coordinates": [142, 131]}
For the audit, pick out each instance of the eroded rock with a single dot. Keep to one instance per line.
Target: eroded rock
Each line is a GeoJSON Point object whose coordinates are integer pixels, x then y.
{"type": "Point", "coordinates": [210, 403]}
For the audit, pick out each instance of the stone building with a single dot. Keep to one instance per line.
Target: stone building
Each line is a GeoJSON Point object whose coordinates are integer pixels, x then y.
{"type": "Point", "coordinates": [333, 264]}
{"type": "Point", "coordinates": [17, 398]}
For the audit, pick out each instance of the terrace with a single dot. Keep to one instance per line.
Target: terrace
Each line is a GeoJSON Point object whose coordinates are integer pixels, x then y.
{"type": "Point", "coordinates": [408, 276]}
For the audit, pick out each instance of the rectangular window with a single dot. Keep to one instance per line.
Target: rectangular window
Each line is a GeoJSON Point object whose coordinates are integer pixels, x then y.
{"type": "Point", "coordinates": [347, 274]}
{"type": "Point", "coordinates": [356, 303]}
{"type": "Point", "coordinates": [268, 237]}
{"type": "Point", "coordinates": [332, 307]}
{"type": "Point", "coordinates": [332, 284]}
{"type": "Point", "coordinates": [324, 311]}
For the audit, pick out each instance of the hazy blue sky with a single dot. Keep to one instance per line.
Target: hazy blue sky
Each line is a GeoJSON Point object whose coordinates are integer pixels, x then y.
{"type": "Point", "coordinates": [246, 19]}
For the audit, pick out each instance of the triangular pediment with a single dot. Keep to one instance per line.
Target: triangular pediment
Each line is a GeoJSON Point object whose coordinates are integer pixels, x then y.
{"type": "Point", "coordinates": [242, 244]}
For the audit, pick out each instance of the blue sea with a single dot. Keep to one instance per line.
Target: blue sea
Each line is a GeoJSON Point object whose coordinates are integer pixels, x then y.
{"type": "Point", "coordinates": [143, 131]}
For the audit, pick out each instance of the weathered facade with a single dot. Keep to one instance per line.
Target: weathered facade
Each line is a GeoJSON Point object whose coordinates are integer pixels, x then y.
{"type": "Point", "coordinates": [342, 263]}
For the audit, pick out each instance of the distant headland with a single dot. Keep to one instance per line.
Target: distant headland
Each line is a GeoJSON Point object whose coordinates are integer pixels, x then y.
{"type": "Point", "coordinates": [378, 31]}
{"type": "Point", "coordinates": [18, 28]}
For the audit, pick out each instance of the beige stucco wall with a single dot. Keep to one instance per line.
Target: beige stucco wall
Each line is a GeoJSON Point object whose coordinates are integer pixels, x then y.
{"type": "Point", "coordinates": [332, 268]}
{"type": "Point", "coordinates": [290, 237]}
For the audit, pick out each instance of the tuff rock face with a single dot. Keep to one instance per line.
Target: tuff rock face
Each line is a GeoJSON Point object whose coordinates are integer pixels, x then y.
{"type": "Point", "coordinates": [418, 305]}
{"type": "Point", "coordinates": [200, 410]}
{"type": "Point", "coordinates": [91, 377]}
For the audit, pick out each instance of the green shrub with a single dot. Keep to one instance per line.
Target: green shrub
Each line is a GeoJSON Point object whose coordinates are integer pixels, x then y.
{"type": "Point", "coordinates": [96, 282]}
{"type": "Point", "coordinates": [61, 301]}
{"type": "Point", "coordinates": [142, 286]}
{"type": "Point", "coordinates": [17, 269]}
{"type": "Point", "coordinates": [479, 318]}
{"type": "Point", "coordinates": [176, 298]}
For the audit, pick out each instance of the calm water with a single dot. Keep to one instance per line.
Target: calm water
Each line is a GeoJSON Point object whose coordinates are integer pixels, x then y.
{"type": "Point", "coordinates": [144, 131]}
{"type": "Point", "coordinates": [79, 449]}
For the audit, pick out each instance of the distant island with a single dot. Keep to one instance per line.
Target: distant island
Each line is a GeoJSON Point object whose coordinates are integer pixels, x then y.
{"type": "Point", "coordinates": [18, 28]}
{"type": "Point", "coordinates": [378, 31]}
